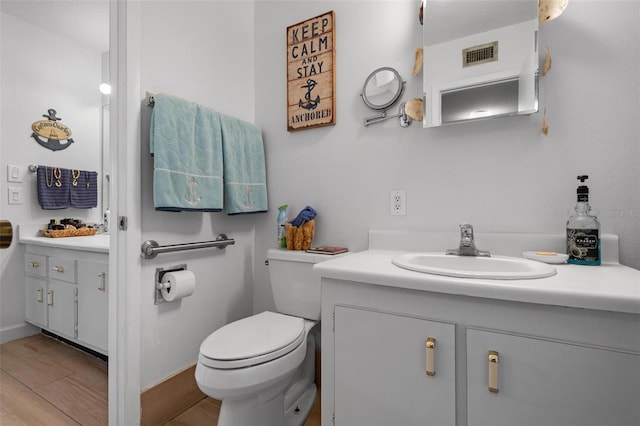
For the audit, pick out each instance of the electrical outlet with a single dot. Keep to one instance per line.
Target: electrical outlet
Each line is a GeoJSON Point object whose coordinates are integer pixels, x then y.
{"type": "Point", "coordinates": [398, 205]}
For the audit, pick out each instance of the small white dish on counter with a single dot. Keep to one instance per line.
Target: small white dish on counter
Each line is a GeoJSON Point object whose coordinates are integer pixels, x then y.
{"type": "Point", "coordinates": [546, 256]}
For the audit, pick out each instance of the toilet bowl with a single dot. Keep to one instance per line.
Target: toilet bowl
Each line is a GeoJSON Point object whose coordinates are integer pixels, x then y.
{"type": "Point", "coordinates": [249, 364]}
{"type": "Point", "coordinates": [262, 367]}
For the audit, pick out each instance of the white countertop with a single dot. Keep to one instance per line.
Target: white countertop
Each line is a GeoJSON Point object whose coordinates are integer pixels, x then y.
{"type": "Point", "coordinates": [30, 234]}
{"type": "Point", "coordinates": [609, 287]}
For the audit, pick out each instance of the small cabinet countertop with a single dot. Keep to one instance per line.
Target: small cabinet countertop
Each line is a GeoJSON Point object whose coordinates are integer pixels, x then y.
{"type": "Point", "coordinates": [30, 234]}
{"type": "Point", "coordinates": [608, 287]}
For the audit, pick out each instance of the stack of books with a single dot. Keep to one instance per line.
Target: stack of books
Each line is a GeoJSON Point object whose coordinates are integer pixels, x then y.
{"type": "Point", "coordinates": [331, 250]}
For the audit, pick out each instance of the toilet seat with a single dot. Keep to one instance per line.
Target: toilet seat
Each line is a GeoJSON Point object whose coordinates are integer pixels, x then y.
{"type": "Point", "coordinates": [252, 340]}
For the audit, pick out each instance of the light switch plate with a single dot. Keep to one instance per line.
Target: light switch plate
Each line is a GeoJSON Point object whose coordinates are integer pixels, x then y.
{"type": "Point", "coordinates": [15, 195]}
{"type": "Point", "coordinates": [14, 173]}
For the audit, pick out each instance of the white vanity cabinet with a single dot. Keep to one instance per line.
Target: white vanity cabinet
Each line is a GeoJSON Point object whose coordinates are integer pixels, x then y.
{"type": "Point", "coordinates": [93, 303]}
{"type": "Point", "coordinates": [392, 369]}
{"type": "Point", "coordinates": [35, 267]}
{"type": "Point", "coordinates": [545, 382]}
{"type": "Point", "coordinates": [62, 294]}
{"type": "Point", "coordinates": [51, 293]}
{"type": "Point", "coordinates": [67, 294]}
{"type": "Point", "coordinates": [496, 362]}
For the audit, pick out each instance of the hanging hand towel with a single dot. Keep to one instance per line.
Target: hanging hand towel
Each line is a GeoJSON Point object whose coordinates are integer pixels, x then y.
{"type": "Point", "coordinates": [53, 188]}
{"type": "Point", "coordinates": [83, 189]}
{"type": "Point", "coordinates": [186, 143]}
{"type": "Point", "coordinates": [245, 183]}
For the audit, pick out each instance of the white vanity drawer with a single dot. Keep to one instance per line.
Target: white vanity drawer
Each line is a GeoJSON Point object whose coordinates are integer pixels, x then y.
{"type": "Point", "coordinates": [35, 264]}
{"type": "Point", "coordinates": [62, 269]}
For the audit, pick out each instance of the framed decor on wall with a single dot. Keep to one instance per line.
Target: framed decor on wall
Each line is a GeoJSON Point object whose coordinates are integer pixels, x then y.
{"type": "Point", "coordinates": [311, 78]}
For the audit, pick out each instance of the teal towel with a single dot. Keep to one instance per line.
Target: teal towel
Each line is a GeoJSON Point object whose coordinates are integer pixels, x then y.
{"type": "Point", "coordinates": [186, 144]}
{"type": "Point", "coordinates": [245, 182]}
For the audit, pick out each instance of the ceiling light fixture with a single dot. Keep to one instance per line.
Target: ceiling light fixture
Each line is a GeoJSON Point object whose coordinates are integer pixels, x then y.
{"type": "Point", "coordinates": [105, 88]}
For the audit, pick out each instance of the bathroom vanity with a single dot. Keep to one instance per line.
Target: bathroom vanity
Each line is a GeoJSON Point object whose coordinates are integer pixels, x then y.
{"type": "Point", "coordinates": [409, 348]}
{"type": "Point", "coordinates": [66, 286]}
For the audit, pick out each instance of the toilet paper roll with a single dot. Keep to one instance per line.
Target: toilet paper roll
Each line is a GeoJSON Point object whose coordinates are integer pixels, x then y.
{"type": "Point", "coordinates": [177, 284]}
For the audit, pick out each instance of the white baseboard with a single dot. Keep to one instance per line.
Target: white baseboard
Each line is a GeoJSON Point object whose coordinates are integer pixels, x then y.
{"type": "Point", "coordinates": [8, 334]}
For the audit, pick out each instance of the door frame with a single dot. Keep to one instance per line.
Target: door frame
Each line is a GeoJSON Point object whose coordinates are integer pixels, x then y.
{"type": "Point", "coordinates": [124, 256]}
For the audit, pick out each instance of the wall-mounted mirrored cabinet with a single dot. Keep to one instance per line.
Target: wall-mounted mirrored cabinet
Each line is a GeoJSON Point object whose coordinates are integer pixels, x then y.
{"type": "Point", "coordinates": [480, 59]}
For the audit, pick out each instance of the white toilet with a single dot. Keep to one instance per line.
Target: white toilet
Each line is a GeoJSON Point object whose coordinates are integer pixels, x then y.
{"type": "Point", "coordinates": [262, 367]}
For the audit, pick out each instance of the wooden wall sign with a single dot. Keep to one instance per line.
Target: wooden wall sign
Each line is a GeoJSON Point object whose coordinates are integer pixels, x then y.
{"type": "Point", "coordinates": [311, 78]}
{"type": "Point", "coordinates": [53, 130]}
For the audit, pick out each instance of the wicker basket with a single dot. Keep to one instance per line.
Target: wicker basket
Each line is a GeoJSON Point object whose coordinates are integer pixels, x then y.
{"type": "Point", "coordinates": [61, 233]}
{"type": "Point", "coordinates": [300, 238]}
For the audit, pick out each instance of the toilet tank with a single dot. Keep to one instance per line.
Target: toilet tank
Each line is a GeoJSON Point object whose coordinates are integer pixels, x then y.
{"type": "Point", "coordinates": [296, 290]}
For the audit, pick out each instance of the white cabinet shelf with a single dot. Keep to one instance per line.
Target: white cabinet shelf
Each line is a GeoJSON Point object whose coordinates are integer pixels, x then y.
{"type": "Point", "coordinates": [67, 294]}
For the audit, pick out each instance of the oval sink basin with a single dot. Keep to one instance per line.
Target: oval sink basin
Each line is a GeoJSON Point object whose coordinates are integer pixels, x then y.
{"type": "Point", "coordinates": [494, 267]}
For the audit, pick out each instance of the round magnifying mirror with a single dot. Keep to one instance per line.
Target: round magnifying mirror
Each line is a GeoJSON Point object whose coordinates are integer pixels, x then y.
{"type": "Point", "coordinates": [382, 88]}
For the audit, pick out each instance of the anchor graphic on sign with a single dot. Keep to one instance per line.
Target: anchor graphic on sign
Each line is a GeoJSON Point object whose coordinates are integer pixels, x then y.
{"type": "Point", "coordinates": [53, 131]}
{"type": "Point", "coordinates": [310, 104]}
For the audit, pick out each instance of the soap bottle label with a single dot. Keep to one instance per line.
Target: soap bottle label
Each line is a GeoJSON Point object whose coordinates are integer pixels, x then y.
{"type": "Point", "coordinates": [583, 246]}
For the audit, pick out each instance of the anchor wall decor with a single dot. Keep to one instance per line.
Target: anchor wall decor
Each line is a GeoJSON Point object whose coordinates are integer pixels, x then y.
{"type": "Point", "coordinates": [53, 130]}
{"type": "Point", "coordinates": [311, 83]}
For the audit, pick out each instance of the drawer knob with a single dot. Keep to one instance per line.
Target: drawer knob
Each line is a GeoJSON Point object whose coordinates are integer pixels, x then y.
{"type": "Point", "coordinates": [58, 269]}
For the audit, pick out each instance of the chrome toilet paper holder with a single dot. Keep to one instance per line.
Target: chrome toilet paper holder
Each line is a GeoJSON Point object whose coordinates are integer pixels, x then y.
{"type": "Point", "coordinates": [157, 294]}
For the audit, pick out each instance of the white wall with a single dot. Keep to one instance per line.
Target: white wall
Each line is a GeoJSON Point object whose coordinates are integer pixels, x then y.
{"type": "Point", "coordinates": [500, 175]}
{"type": "Point", "coordinates": [515, 44]}
{"type": "Point", "coordinates": [202, 52]}
{"type": "Point", "coordinates": [41, 70]}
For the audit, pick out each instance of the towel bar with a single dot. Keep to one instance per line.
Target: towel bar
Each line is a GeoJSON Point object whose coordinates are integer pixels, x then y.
{"type": "Point", "coordinates": [151, 248]}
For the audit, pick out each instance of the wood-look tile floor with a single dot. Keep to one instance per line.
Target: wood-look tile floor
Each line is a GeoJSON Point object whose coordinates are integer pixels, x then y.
{"type": "Point", "coordinates": [205, 413]}
{"type": "Point", "coordinates": [46, 382]}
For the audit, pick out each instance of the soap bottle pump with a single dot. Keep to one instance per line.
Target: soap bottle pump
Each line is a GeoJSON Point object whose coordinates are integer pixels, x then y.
{"type": "Point", "coordinates": [282, 221]}
{"type": "Point", "coordinates": [583, 231]}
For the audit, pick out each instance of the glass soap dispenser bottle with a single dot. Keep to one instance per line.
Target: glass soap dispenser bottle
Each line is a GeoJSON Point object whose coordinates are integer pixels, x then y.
{"type": "Point", "coordinates": [583, 231]}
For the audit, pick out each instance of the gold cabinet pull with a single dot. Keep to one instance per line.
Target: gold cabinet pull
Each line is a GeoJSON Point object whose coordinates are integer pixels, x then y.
{"type": "Point", "coordinates": [494, 359]}
{"type": "Point", "coordinates": [102, 281]}
{"type": "Point", "coordinates": [58, 269]}
{"type": "Point", "coordinates": [40, 295]}
{"type": "Point", "coordinates": [34, 265]}
{"type": "Point", "coordinates": [50, 298]}
{"type": "Point", "coordinates": [431, 354]}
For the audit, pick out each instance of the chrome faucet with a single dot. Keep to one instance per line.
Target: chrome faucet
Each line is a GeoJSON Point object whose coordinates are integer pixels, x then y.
{"type": "Point", "coordinates": [467, 244]}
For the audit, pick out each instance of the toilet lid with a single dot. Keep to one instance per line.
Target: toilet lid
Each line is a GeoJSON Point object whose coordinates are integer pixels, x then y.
{"type": "Point", "coordinates": [253, 340]}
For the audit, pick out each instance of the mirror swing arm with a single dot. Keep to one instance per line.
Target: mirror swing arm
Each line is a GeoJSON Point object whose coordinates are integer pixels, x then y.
{"type": "Point", "coordinates": [404, 118]}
